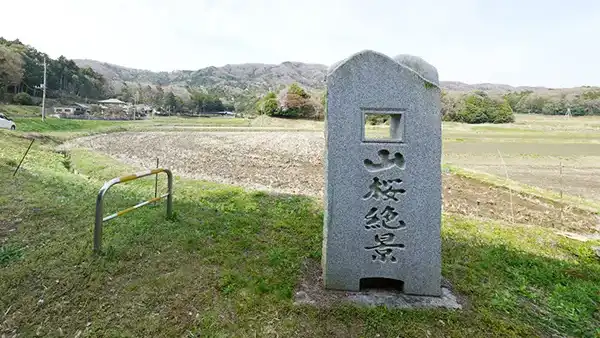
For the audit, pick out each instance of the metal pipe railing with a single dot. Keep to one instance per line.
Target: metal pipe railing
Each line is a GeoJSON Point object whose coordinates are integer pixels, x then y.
{"type": "Point", "coordinates": [123, 179]}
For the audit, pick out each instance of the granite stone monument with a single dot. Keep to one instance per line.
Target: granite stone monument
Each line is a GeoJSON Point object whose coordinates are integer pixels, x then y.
{"type": "Point", "coordinates": [383, 185]}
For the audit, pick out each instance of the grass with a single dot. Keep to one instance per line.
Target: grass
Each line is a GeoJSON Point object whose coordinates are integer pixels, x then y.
{"type": "Point", "coordinates": [17, 110]}
{"type": "Point", "coordinates": [228, 264]}
{"type": "Point", "coordinates": [63, 129]}
{"type": "Point", "coordinates": [497, 181]}
{"type": "Point", "coordinates": [51, 124]}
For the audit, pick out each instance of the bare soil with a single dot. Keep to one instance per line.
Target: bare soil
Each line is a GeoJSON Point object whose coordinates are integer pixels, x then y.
{"type": "Point", "coordinates": [292, 162]}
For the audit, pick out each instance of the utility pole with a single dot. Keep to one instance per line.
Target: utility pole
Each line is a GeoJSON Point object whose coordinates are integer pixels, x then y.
{"type": "Point", "coordinates": [44, 93]}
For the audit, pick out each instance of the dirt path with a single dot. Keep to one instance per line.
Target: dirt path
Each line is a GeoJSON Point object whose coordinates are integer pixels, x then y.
{"type": "Point", "coordinates": [292, 162]}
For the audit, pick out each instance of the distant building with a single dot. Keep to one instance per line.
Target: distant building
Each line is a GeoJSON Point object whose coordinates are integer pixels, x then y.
{"type": "Point", "coordinates": [112, 102]}
{"type": "Point", "coordinates": [217, 114]}
{"type": "Point", "coordinates": [112, 106]}
{"type": "Point", "coordinates": [73, 109]}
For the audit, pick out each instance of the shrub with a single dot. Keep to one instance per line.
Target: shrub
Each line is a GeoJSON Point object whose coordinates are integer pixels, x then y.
{"type": "Point", "coordinates": [375, 119]}
{"type": "Point", "coordinates": [294, 102]}
{"type": "Point", "coordinates": [268, 105]}
{"type": "Point", "coordinates": [478, 107]}
{"type": "Point", "coordinates": [23, 99]}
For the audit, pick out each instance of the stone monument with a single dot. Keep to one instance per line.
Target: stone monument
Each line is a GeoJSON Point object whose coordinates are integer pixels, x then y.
{"type": "Point", "coordinates": [383, 190]}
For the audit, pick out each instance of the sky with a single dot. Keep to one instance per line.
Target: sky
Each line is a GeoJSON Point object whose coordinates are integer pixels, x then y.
{"type": "Point", "coordinates": [552, 43]}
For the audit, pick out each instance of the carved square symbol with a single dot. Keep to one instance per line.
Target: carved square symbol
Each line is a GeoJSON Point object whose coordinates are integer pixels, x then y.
{"type": "Point", "coordinates": [383, 125]}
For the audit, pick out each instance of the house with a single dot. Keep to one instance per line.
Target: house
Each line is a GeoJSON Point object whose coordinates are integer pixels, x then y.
{"type": "Point", "coordinates": [217, 114]}
{"type": "Point", "coordinates": [112, 102]}
{"type": "Point", "coordinates": [74, 109]}
{"type": "Point", "coordinates": [113, 106]}
{"type": "Point", "coordinates": [139, 110]}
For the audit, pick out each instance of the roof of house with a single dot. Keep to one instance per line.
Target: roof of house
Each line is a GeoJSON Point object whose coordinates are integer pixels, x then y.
{"type": "Point", "coordinates": [84, 106]}
{"type": "Point", "coordinates": [144, 106]}
{"type": "Point", "coordinates": [112, 101]}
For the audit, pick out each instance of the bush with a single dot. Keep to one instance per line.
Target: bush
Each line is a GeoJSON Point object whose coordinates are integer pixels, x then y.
{"type": "Point", "coordinates": [375, 119]}
{"type": "Point", "coordinates": [478, 107]}
{"type": "Point", "coordinates": [293, 102]}
{"type": "Point", "coordinates": [23, 99]}
{"type": "Point", "coordinates": [268, 105]}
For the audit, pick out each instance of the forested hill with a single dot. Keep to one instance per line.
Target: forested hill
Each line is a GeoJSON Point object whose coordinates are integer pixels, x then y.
{"type": "Point", "coordinates": [22, 71]}
{"type": "Point", "coordinates": [241, 85]}
{"type": "Point", "coordinates": [229, 79]}
{"type": "Point", "coordinates": [253, 76]}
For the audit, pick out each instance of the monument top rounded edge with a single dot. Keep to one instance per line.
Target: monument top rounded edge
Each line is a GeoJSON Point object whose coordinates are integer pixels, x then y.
{"type": "Point", "coordinates": [424, 69]}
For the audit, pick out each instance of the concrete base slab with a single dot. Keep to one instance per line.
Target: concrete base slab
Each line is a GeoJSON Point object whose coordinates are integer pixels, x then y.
{"type": "Point", "coordinates": [310, 291]}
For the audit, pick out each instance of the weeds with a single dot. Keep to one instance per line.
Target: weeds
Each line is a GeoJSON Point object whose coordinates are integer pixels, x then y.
{"type": "Point", "coordinates": [228, 265]}
{"type": "Point", "coordinates": [10, 253]}
{"type": "Point", "coordinates": [66, 160]}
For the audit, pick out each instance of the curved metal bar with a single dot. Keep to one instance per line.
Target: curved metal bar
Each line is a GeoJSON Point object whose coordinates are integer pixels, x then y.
{"type": "Point", "coordinates": [107, 185]}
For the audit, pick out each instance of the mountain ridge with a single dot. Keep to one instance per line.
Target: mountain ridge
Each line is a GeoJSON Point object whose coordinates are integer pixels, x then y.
{"type": "Point", "coordinates": [237, 79]}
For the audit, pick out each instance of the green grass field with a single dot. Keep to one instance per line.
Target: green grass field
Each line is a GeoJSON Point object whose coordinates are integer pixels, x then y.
{"type": "Point", "coordinates": [13, 111]}
{"type": "Point", "coordinates": [227, 265]}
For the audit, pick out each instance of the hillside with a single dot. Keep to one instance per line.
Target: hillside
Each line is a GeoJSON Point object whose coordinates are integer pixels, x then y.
{"type": "Point", "coordinates": [230, 79]}
{"type": "Point", "coordinates": [235, 79]}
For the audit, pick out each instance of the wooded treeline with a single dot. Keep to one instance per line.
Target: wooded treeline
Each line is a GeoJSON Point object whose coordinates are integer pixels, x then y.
{"type": "Point", "coordinates": [21, 74]}
{"type": "Point", "coordinates": [528, 102]}
{"type": "Point", "coordinates": [22, 71]}
{"type": "Point", "coordinates": [481, 107]}
{"type": "Point", "coordinates": [198, 101]}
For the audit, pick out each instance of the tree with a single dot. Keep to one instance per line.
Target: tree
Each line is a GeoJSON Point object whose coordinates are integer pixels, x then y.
{"type": "Point", "coordinates": [502, 112]}
{"type": "Point", "coordinates": [478, 107]}
{"type": "Point", "coordinates": [172, 103]}
{"type": "Point", "coordinates": [513, 98]}
{"type": "Point", "coordinates": [591, 94]}
{"type": "Point", "coordinates": [324, 103]}
{"type": "Point", "coordinates": [268, 105]}
{"type": "Point", "coordinates": [64, 77]}
{"type": "Point", "coordinates": [126, 94]}
{"type": "Point", "coordinates": [229, 107]}
{"type": "Point", "coordinates": [179, 104]}
{"type": "Point", "coordinates": [591, 107]}
{"type": "Point", "coordinates": [204, 102]}
{"type": "Point", "coordinates": [170, 100]}
{"type": "Point", "coordinates": [450, 104]}
{"type": "Point", "coordinates": [147, 95]}
{"type": "Point", "coordinates": [316, 108]}
{"type": "Point", "coordinates": [159, 96]}
{"type": "Point", "coordinates": [555, 107]}
{"type": "Point", "coordinates": [531, 104]}
{"type": "Point", "coordinates": [11, 69]}
{"type": "Point", "coordinates": [295, 89]}
{"type": "Point", "coordinates": [294, 102]}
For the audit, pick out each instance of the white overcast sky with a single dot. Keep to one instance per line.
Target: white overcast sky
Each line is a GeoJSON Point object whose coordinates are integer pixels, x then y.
{"type": "Point", "coordinates": [554, 43]}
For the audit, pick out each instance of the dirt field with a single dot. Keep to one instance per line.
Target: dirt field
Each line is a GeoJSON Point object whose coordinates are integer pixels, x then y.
{"type": "Point", "coordinates": [550, 152]}
{"type": "Point", "coordinates": [291, 162]}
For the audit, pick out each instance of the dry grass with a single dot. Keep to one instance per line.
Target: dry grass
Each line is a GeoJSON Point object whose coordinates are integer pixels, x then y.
{"type": "Point", "coordinates": [227, 265]}
{"type": "Point", "coordinates": [533, 149]}
{"type": "Point", "coordinates": [292, 162]}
